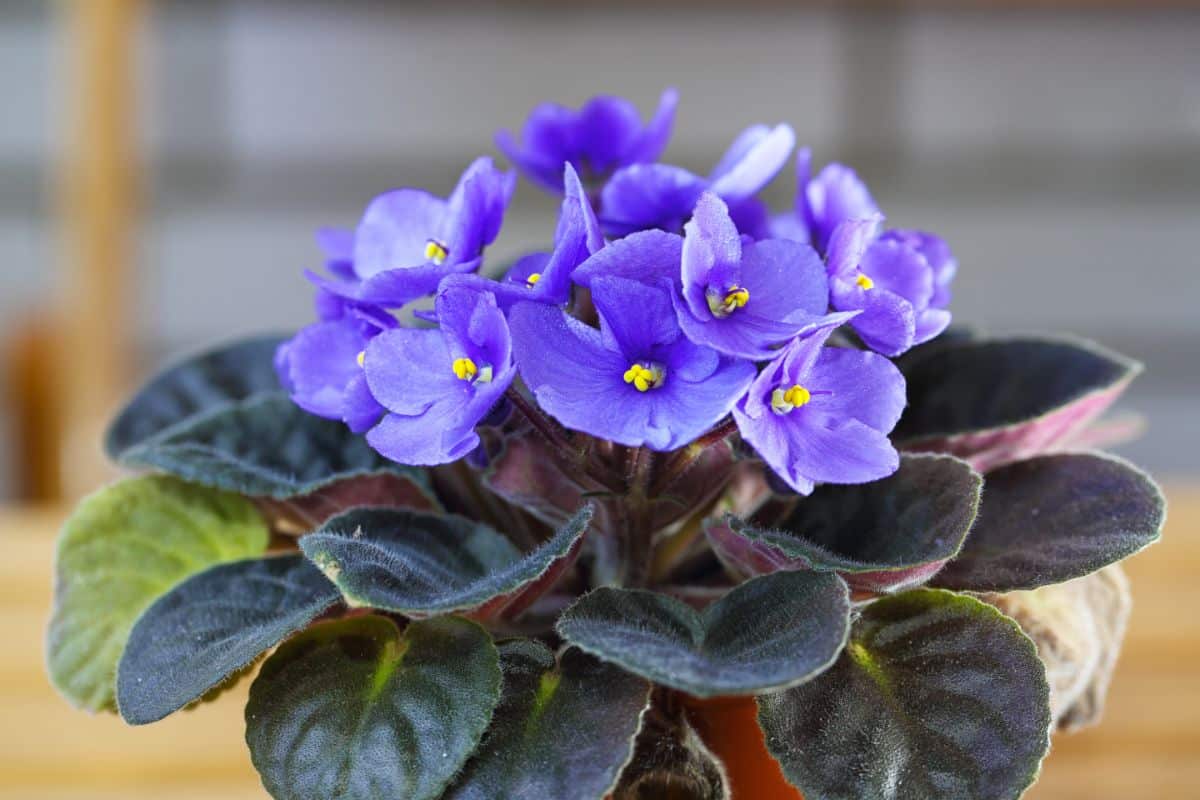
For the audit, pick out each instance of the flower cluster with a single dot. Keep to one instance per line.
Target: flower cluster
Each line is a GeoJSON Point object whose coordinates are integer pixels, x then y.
{"type": "Point", "coordinates": [670, 306]}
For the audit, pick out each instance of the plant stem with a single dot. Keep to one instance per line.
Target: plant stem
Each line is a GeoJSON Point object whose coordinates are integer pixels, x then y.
{"type": "Point", "coordinates": [570, 457]}
{"type": "Point", "coordinates": [679, 461]}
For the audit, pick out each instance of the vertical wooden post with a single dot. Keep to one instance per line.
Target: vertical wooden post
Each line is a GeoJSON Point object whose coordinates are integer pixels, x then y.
{"type": "Point", "coordinates": [98, 191]}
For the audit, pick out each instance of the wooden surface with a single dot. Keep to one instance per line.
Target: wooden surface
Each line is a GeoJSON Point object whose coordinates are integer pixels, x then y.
{"type": "Point", "coordinates": [1147, 747]}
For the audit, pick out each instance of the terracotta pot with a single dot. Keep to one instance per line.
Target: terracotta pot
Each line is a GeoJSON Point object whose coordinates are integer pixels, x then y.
{"type": "Point", "coordinates": [729, 727]}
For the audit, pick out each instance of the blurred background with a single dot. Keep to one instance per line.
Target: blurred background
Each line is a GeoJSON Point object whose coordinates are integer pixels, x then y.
{"type": "Point", "coordinates": [163, 166]}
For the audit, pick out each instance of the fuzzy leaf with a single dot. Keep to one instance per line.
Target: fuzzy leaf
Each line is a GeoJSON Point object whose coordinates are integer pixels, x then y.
{"type": "Point", "coordinates": [264, 446]}
{"type": "Point", "coordinates": [880, 537]}
{"type": "Point", "coordinates": [937, 696]}
{"type": "Point", "coordinates": [770, 632]}
{"type": "Point", "coordinates": [1054, 518]}
{"type": "Point", "coordinates": [195, 386]}
{"type": "Point", "coordinates": [563, 729]}
{"type": "Point", "coordinates": [213, 625]}
{"type": "Point", "coordinates": [122, 548]}
{"type": "Point", "coordinates": [998, 401]}
{"type": "Point", "coordinates": [357, 710]}
{"type": "Point", "coordinates": [421, 564]}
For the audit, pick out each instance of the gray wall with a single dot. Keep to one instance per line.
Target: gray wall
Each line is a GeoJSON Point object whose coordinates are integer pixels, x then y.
{"type": "Point", "coordinates": [1058, 152]}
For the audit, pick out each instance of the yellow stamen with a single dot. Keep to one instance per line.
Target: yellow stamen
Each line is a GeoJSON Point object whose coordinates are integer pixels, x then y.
{"type": "Point", "coordinates": [735, 298]}
{"type": "Point", "coordinates": [435, 251]}
{"type": "Point", "coordinates": [532, 280]}
{"type": "Point", "coordinates": [645, 377]}
{"type": "Point", "coordinates": [864, 281]}
{"type": "Point", "coordinates": [361, 357]}
{"type": "Point", "coordinates": [464, 369]}
{"type": "Point", "coordinates": [783, 401]}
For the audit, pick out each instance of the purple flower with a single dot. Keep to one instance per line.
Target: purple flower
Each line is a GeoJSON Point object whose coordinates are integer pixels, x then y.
{"type": "Point", "coordinates": [822, 414]}
{"type": "Point", "coordinates": [890, 281]}
{"type": "Point", "coordinates": [663, 196]}
{"type": "Point", "coordinates": [937, 254]}
{"type": "Point", "coordinates": [437, 385]}
{"type": "Point", "coordinates": [744, 298]}
{"type": "Point", "coordinates": [636, 381]}
{"type": "Point", "coordinates": [605, 134]}
{"type": "Point", "coordinates": [546, 277]}
{"type": "Point", "coordinates": [321, 366]}
{"type": "Point", "coordinates": [834, 196]}
{"type": "Point", "coordinates": [409, 239]}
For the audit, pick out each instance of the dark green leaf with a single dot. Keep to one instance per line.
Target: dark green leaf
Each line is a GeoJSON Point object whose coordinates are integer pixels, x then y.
{"type": "Point", "coordinates": [770, 632]}
{"type": "Point", "coordinates": [881, 536]}
{"type": "Point", "coordinates": [193, 387]}
{"type": "Point", "coordinates": [265, 446]}
{"type": "Point", "coordinates": [421, 564]}
{"type": "Point", "coordinates": [994, 402]}
{"type": "Point", "coordinates": [562, 730]}
{"type": "Point", "coordinates": [212, 625]}
{"type": "Point", "coordinates": [1055, 518]}
{"type": "Point", "coordinates": [357, 710]}
{"type": "Point", "coordinates": [937, 696]}
{"type": "Point", "coordinates": [123, 547]}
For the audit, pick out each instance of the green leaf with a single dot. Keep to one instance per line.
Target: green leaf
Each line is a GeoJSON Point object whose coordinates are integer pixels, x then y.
{"type": "Point", "coordinates": [357, 710]}
{"type": "Point", "coordinates": [937, 696]}
{"type": "Point", "coordinates": [1054, 518]}
{"type": "Point", "coordinates": [195, 386]}
{"type": "Point", "coordinates": [993, 402]}
{"type": "Point", "coordinates": [562, 730]}
{"type": "Point", "coordinates": [213, 625]}
{"type": "Point", "coordinates": [123, 547]}
{"type": "Point", "coordinates": [421, 564]}
{"type": "Point", "coordinates": [882, 536]}
{"type": "Point", "coordinates": [265, 446]}
{"type": "Point", "coordinates": [770, 632]}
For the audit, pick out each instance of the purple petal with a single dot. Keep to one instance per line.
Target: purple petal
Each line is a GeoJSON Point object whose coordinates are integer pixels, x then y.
{"type": "Point", "coordinates": [789, 226]}
{"type": "Point", "coordinates": [647, 256]}
{"type": "Point", "coordinates": [577, 210]}
{"type": "Point", "coordinates": [474, 326]}
{"type": "Point", "coordinates": [834, 196]}
{"type": "Point", "coordinates": [899, 269]}
{"type": "Point", "coordinates": [544, 169]}
{"type": "Point", "coordinates": [930, 324]}
{"type": "Point", "coordinates": [684, 409]}
{"type": "Point", "coordinates": [395, 229]}
{"type": "Point", "coordinates": [848, 244]}
{"type": "Point", "coordinates": [786, 280]}
{"type": "Point", "coordinates": [475, 210]}
{"type": "Point", "coordinates": [755, 157]}
{"type": "Point", "coordinates": [409, 370]}
{"type": "Point", "coordinates": [338, 246]}
{"type": "Point", "coordinates": [646, 196]}
{"type": "Point", "coordinates": [635, 319]}
{"type": "Point", "coordinates": [422, 440]}
{"type": "Point", "coordinates": [360, 409]}
{"type": "Point", "coordinates": [809, 448]}
{"type": "Point", "coordinates": [605, 127]}
{"type": "Point", "coordinates": [575, 378]}
{"type": "Point", "coordinates": [939, 257]}
{"type": "Point", "coordinates": [320, 361]}
{"type": "Point", "coordinates": [887, 323]}
{"type": "Point", "coordinates": [712, 253]}
{"type": "Point", "coordinates": [649, 145]}
{"type": "Point", "coordinates": [863, 386]}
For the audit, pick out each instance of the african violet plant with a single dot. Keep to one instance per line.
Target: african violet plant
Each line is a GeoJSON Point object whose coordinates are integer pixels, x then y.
{"type": "Point", "coordinates": [502, 545]}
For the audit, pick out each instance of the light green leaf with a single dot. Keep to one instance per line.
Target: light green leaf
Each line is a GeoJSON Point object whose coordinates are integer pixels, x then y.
{"type": "Point", "coordinates": [122, 548]}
